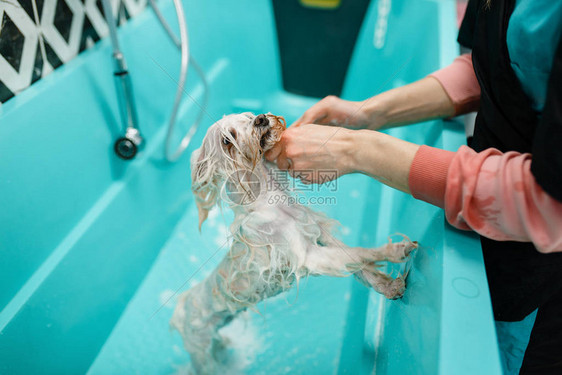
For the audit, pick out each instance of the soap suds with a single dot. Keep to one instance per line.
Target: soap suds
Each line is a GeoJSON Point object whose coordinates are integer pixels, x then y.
{"type": "Point", "coordinates": [167, 299]}
{"type": "Point", "coordinates": [244, 344]}
{"type": "Point", "coordinates": [244, 340]}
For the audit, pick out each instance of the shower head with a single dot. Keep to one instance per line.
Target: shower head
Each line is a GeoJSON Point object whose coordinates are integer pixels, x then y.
{"type": "Point", "coordinates": [127, 147]}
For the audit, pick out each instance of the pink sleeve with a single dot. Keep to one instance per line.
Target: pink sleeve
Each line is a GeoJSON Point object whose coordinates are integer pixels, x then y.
{"type": "Point", "coordinates": [489, 192]}
{"type": "Point", "coordinates": [460, 83]}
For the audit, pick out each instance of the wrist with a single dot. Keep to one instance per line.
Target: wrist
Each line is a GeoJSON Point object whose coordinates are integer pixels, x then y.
{"type": "Point", "coordinates": [351, 141]}
{"type": "Point", "coordinates": [359, 142]}
{"type": "Point", "coordinates": [383, 157]}
{"type": "Point", "coordinates": [374, 112]}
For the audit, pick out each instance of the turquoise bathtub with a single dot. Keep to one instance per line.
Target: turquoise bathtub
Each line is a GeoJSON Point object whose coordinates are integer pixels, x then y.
{"type": "Point", "coordinates": [93, 248]}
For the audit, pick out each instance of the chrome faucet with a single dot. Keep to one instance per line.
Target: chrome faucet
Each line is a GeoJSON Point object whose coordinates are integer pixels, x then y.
{"type": "Point", "coordinates": [127, 146]}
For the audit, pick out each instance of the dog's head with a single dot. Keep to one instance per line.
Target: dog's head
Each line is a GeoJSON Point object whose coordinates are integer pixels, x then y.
{"type": "Point", "coordinates": [235, 143]}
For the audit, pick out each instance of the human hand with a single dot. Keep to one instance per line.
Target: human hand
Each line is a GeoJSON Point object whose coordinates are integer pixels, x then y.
{"type": "Point", "coordinates": [310, 151]}
{"type": "Point", "coordinates": [335, 111]}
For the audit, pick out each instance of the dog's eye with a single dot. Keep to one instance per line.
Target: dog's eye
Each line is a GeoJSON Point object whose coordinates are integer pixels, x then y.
{"type": "Point", "coordinates": [226, 141]}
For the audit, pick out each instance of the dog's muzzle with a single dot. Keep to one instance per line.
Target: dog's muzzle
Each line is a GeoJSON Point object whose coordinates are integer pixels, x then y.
{"type": "Point", "coordinates": [261, 121]}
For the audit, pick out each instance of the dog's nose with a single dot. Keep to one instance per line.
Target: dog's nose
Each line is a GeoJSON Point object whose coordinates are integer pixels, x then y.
{"type": "Point", "coordinates": [261, 120]}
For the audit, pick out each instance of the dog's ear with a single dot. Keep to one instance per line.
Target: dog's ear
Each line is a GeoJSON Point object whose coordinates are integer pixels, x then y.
{"type": "Point", "coordinates": [203, 183]}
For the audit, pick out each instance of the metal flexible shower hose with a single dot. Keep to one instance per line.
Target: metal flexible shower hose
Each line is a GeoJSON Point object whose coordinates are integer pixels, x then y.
{"type": "Point", "coordinates": [183, 45]}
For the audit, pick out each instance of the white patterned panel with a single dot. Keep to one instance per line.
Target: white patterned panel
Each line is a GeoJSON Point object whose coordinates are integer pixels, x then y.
{"type": "Point", "coordinates": [96, 18]}
{"type": "Point", "coordinates": [14, 80]}
{"type": "Point", "coordinates": [65, 51]}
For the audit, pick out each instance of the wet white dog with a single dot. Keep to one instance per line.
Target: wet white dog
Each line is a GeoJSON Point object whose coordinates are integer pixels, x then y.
{"type": "Point", "coordinates": [274, 243]}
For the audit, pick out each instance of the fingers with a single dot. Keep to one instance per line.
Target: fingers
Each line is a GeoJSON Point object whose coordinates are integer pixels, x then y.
{"type": "Point", "coordinates": [298, 152]}
{"type": "Point", "coordinates": [318, 113]}
{"type": "Point", "coordinates": [283, 162]}
{"type": "Point", "coordinates": [274, 153]}
{"type": "Point", "coordinates": [317, 116]}
{"type": "Point", "coordinates": [277, 153]}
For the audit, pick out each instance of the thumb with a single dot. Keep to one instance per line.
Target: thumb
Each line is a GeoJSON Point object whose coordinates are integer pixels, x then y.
{"type": "Point", "coordinates": [273, 153]}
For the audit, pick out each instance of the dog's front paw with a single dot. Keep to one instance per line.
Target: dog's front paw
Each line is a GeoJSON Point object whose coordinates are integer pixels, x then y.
{"type": "Point", "coordinates": [382, 283]}
{"type": "Point", "coordinates": [396, 288]}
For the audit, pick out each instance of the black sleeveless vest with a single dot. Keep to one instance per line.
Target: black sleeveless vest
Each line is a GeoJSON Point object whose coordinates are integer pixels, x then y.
{"type": "Point", "coordinates": [520, 278]}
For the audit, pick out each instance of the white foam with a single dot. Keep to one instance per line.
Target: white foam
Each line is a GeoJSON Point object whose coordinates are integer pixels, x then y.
{"type": "Point", "coordinates": [167, 298]}
{"type": "Point", "coordinates": [244, 344]}
{"type": "Point", "coordinates": [245, 341]}
{"type": "Point", "coordinates": [193, 282]}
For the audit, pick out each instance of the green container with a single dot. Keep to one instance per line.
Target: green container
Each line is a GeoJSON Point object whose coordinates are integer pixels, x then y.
{"type": "Point", "coordinates": [316, 43]}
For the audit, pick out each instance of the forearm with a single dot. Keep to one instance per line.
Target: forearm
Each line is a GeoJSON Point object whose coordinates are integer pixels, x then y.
{"type": "Point", "coordinates": [383, 157]}
{"type": "Point", "coordinates": [492, 193]}
{"type": "Point", "coordinates": [422, 100]}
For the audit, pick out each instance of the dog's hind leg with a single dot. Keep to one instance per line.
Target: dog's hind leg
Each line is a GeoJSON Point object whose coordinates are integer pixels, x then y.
{"type": "Point", "coordinates": [240, 281]}
{"type": "Point", "coordinates": [199, 314]}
